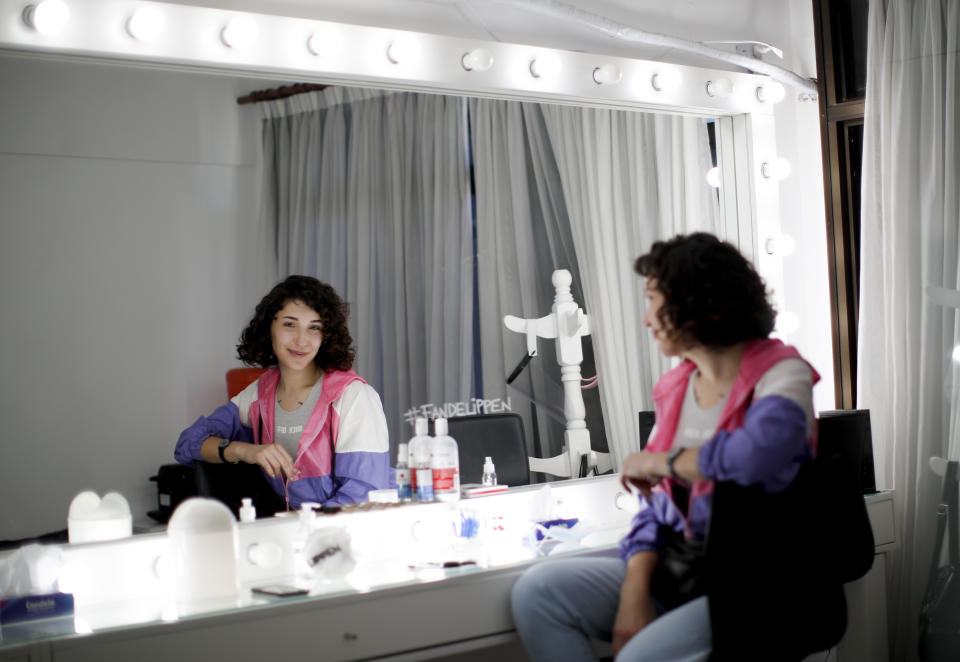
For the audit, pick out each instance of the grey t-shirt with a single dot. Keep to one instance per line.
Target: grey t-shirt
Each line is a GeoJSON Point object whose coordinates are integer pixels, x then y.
{"type": "Point", "coordinates": [288, 425]}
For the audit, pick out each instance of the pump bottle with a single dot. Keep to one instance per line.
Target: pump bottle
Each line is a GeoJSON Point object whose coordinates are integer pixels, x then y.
{"type": "Point", "coordinates": [421, 476]}
{"type": "Point", "coordinates": [489, 472]}
{"type": "Point", "coordinates": [445, 462]}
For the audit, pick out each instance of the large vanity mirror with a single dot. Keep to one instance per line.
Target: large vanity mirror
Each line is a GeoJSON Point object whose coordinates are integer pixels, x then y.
{"type": "Point", "coordinates": [138, 232]}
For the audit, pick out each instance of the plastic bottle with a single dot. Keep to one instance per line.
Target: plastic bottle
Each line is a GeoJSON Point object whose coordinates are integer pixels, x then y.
{"type": "Point", "coordinates": [445, 462]}
{"type": "Point", "coordinates": [403, 474]}
{"type": "Point", "coordinates": [489, 472]}
{"type": "Point", "coordinates": [421, 476]}
{"type": "Point", "coordinates": [248, 511]}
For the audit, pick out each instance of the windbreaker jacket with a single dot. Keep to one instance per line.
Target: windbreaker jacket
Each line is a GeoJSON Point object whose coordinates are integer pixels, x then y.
{"type": "Point", "coordinates": [343, 451]}
{"type": "Point", "coordinates": [762, 441]}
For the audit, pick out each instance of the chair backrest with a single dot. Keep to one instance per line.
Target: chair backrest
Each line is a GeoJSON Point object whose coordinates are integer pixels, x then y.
{"type": "Point", "coordinates": [646, 418]}
{"type": "Point", "coordinates": [230, 483]}
{"type": "Point", "coordinates": [240, 378]}
{"type": "Point", "coordinates": [499, 436]}
{"type": "Point", "coordinates": [846, 433]}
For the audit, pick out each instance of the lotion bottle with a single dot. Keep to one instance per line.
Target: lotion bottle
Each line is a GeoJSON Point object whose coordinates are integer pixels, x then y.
{"type": "Point", "coordinates": [418, 450]}
{"type": "Point", "coordinates": [445, 463]}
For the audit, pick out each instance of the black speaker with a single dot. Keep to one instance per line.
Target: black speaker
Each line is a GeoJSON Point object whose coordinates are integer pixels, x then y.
{"type": "Point", "coordinates": [846, 432]}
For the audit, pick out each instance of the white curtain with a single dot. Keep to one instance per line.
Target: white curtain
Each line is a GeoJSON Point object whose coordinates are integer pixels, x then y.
{"type": "Point", "coordinates": [369, 191]}
{"type": "Point", "coordinates": [909, 227]}
{"type": "Point", "coordinates": [523, 235]}
{"type": "Point", "coordinates": [629, 179]}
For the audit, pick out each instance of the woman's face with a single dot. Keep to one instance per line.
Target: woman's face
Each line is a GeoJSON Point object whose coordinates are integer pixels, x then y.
{"type": "Point", "coordinates": [668, 345]}
{"type": "Point", "coordinates": [296, 333]}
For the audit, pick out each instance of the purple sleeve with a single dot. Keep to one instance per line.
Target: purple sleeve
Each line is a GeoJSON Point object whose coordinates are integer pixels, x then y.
{"type": "Point", "coordinates": [644, 532]}
{"type": "Point", "coordinates": [223, 422]}
{"type": "Point", "coordinates": [358, 472]}
{"type": "Point", "coordinates": [768, 448]}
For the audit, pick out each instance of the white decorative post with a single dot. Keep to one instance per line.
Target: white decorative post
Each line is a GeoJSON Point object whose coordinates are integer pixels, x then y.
{"type": "Point", "coordinates": [567, 323]}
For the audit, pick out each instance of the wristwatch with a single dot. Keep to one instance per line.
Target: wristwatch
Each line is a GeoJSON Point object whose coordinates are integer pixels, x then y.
{"type": "Point", "coordinates": [671, 458]}
{"type": "Point", "coordinates": [221, 447]}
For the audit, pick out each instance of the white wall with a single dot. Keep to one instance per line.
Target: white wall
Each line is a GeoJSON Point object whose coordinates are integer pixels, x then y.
{"type": "Point", "coordinates": [127, 268]}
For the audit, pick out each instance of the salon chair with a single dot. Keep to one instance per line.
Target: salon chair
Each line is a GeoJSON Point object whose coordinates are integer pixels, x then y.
{"type": "Point", "coordinates": [499, 436]}
{"type": "Point", "coordinates": [240, 378]}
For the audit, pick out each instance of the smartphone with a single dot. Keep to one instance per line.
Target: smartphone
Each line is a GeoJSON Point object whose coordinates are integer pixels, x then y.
{"type": "Point", "coordinates": [280, 590]}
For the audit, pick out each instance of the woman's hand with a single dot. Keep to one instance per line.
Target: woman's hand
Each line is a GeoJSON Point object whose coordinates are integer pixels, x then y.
{"type": "Point", "coordinates": [643, 470]}
{"type": "Point", "coordinates": [274, 458]}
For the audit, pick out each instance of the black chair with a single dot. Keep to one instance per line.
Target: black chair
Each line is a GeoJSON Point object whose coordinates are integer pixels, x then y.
{"type": "Point", "coordinates": [499, 436]}
{"type": "Point", "coordinates": [646, 419]}
{"type": "Point", "coordinates": [230, 483]}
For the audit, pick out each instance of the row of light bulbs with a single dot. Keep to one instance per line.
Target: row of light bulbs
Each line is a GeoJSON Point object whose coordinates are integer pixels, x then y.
{"type": "Point", "coordinates": [146, 23]}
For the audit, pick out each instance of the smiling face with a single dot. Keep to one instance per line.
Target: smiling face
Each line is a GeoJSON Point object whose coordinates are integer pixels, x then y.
{"type": "Point", "coordinates": [296, 334]}
{"type": "Point", "coordinates": [669, 345]}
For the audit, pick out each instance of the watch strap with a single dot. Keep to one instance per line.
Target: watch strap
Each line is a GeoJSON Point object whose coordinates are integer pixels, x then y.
{"type": "Point", "coordinates": [221, 447]}
{"type": "Point", "coordinates": [672, 456]}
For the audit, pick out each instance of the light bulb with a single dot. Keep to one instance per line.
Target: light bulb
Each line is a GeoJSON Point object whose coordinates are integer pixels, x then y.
{"type": "Point", "coordinates": [239, 33]}
{"type": "Point", "coordinates": [607, 74]}
{"type": "Point", "coordinates": [146, 23]}
{"type": "Point", "coordinates": [666, 80]}
{"type": "Point", "coordinates": [402, 49]}
{"type": "Point", "coordinates": [956, 353]}
{"type": "Point", "coordinates": [779, 168]}
{"type": "Point", "coordinates": [48, 17]}
{"type": "Point", "coordinates": [781, 244]}
{"type": "Point", "coordinates": [544, 65]}
{"type": "Point", "coordinates": [479, 59]}
{"type": "Point", "coordinates": [771, 91]}
{"type": "Point", "coordinates": [323, 43]}
{"type": "Point", "coordinates": [720, 87]}
{"type": "Point", "coordinates": [713, 177]}
{"type": "Point", "coordinates": [787, 323]}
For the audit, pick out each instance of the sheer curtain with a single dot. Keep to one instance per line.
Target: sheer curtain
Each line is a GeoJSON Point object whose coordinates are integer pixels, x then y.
{"type": "Point", "coordinates": [523, 235]}
{"type": "Point", "coordinates": [909, 226]}
{"type": "Point", "coordinates": [628, 179]}
{"type": "Point", "coordinates": [369, 191]}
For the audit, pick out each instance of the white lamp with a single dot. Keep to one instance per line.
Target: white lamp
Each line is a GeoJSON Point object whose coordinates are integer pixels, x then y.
{"type": "Point", "coordinates": [323, 42]}
{"type": "Point", "coordinates": [778, 168]}
{"type": "Point", "coordinates": [479, 59]}
{"type": "Point", "coordinates": [48, 17]}
{"type": "Point", "coordinates": [239, 33]}
{"type": "Point", "coordinates": [146, 23]}
{"type": "Point", "coordinates": [666, 80]}
{"type": "Point", "coordinates": [781, 244]}
{"type": "Point", "coordinates": [771, 92]}
{"type": "Point", "coordinates": [544, 65]}
{"type": "Point", "coordinates": [719, 88]}
{"type": "Point", "coordinates": [401, 49]}
{"type": "Point", "coordinates": [607, 74]}
{"type": "Point", "coordinates": [713, 177]}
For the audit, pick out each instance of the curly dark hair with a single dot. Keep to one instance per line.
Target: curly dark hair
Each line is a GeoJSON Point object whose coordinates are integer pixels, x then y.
{"type": "Point", "coordinates": [712, 295]}
{"type": "Point", "coordinates": [336, 351]}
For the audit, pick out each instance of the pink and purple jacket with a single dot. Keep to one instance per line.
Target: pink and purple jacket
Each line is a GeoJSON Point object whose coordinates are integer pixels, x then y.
{"type": "Point", "coordinates": [343, 451]}
{"type": "Point", "coordinates": [763, 441]}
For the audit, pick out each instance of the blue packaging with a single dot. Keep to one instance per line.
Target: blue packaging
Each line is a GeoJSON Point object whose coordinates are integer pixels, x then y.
{"type": "Point", "coordinates": [34, 616]}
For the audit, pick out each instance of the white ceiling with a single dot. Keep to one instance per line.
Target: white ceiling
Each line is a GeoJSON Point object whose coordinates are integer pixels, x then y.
{"type": "Point", "coordinates": [785, 23]}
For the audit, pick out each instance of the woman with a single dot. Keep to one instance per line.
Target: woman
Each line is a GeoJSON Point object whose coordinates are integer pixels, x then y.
{"type": "Point", "coordinates": [738, 408]}
{"type": "Point", "coordinates": [313, 425]}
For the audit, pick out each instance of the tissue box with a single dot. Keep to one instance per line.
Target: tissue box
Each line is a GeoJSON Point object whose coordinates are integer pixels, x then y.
{"type": "Point", "coordinates": [36, 616]}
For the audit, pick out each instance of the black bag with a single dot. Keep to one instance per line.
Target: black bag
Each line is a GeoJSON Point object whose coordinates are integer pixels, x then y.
{"type": "Point", "coordinates": [679, 575]}
{"type": "Point", "coordinates": [940, 611]}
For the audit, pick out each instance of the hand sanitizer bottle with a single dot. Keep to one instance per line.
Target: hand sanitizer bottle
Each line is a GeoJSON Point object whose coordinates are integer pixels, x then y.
{"type": "Point", "coordinates": [489, 473]}
{"type": "Point", "coordinates": [421, 476]}
{"type": "Point", "coordinates": [403, 474]}
{"type": "Point", "coordinates": [445, 462]}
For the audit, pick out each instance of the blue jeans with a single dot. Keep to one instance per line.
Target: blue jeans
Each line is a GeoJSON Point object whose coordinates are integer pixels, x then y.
{"type": "Point", "coordinates": [559, 606]}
